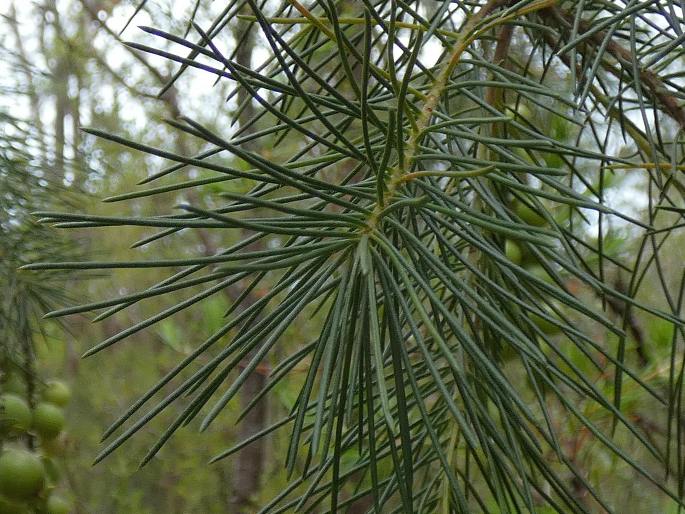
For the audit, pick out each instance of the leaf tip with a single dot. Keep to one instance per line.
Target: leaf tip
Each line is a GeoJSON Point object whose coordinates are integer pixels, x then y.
{"type": "Point", "coordinates": [89, 353]}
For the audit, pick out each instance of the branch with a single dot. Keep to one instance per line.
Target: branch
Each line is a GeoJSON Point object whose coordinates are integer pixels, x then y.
{"type": "Point", "coordinates": [625, 58]}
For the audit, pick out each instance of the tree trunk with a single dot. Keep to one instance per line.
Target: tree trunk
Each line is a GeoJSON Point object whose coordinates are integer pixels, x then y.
{"type": "Point", "coordinates": [249, 463]}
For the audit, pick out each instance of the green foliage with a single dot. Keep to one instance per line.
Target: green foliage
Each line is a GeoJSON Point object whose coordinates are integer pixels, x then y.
{"type": "Point", "coordinates": [26, 296]}
{"type": "Point", "coordinates": [25, 185]}
{"type": "Point", "coordinates": [370, 196]}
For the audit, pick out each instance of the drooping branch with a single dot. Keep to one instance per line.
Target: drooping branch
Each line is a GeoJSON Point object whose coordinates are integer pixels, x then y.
{"type": "Point", "coordinates": [562, 20]}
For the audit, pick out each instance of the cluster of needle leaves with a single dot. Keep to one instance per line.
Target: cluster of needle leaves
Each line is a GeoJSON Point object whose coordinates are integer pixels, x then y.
{"type": "Point", "coordinates": [391, 151]}
{"type": "Point", "coordinates": [24, 186]}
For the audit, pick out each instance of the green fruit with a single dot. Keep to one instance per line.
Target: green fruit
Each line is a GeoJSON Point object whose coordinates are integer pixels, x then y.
{"type": "Point", "coordinates": [553, 160]}
{"type": "Point", "coordinates": [57, 392]}
{"type": "Point", "coordinates": [529, 215]}
{"type": "Point", "coordinates": [22, 474]}
{"type": "Point", "coordinates": [15, 413]}
{"type": "Point", "coordinates": [540, 272]}
{"type": "Point", "coordinates": [58, 504]}
{"type": "Point", "coordinates": [10, 507]}
{"type": "Point", "coordinates": [48, 420]}
{"type": "Point", "coordinates": [508, 352]}
{"type": "Point", "coordinates": [525, 156]}
{"type": "Point", "coordinates": [518, 110]}
{"type": "Point", "coordinates": [547, 327]}
{"type": "Point", "coordinates": [512, 251]}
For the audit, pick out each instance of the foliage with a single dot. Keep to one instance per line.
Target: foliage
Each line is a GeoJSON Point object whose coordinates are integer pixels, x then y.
{"type": "Point", "coordinates": [25, 186]}
{"type": "Point", "coordinates": [395, 149]}
{"type": "Point", "coordinates": [25, 297]}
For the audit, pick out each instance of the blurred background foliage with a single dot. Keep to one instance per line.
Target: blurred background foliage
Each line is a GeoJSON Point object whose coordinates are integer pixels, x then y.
{"type": "Point", "coordinates": [63, 67]}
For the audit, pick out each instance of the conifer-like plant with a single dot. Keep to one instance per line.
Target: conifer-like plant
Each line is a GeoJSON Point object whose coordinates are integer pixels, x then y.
{"type": "Point", "coordinates": [428, 182]}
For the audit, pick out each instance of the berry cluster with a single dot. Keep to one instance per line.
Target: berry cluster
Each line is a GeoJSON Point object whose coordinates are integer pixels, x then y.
{"type": "Point", "coordinates": [30, 437]}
